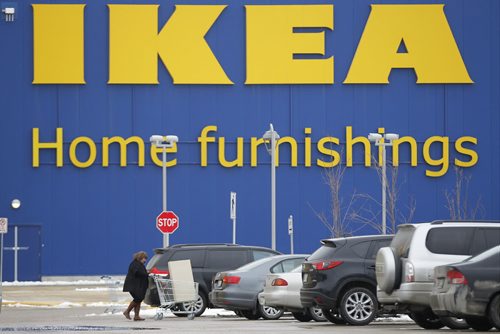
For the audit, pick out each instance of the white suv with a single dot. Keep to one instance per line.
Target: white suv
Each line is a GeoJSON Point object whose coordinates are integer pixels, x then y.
{"type": "Point", "coordinates": [405, 269]}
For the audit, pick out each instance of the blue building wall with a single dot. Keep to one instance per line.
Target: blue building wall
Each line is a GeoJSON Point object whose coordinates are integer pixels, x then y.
{"type": "Point", "coordinates": [93, 219]}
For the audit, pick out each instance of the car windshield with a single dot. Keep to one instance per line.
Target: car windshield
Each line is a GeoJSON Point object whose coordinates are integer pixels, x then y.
{"type": "Point", "coordinates": [484, 255]}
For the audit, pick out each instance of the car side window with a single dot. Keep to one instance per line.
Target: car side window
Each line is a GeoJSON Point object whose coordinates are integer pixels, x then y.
{"type": "Point", "coordinates": [197, 257]}
{"type": "Point", "coordinates": [450, 240]}
{"type": "Point", "coordinates": [361, 248]}
{"type": "Point", "coordinates": [226, 259]}
{"type": "Point", "coordinates": [484, 238]}
{"type": "Point", "coordinates": [286, 265]}
{"type": "Point", "coordinates": [376, 245]}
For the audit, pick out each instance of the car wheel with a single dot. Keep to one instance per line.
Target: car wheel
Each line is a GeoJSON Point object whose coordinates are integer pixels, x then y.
{"type": "Point", "coordinates": [358, 306]}
{"type": "Point", "coordinates": [427, 319]}
{"type": "Point", "coordinates": [268, 312]}
{"type": "Point", "coordinates": [388, 269]}
{"type": "Point", "coordinates": [494, 312]}
{"type": "Point", "coordinates": [197, 307]}
{"type": "Point", "coordinates": [250, 314]}
{"type": "Point", "coordinates": [480, 324]}
{"type": "Point", "coordinates": [316, 314]}
{"type": "Point", "coordinates": [302, 316]}
{"type": "Point", "coordinates": [333, 316]}
{"type": "Point", "coordinates": [238, 313]}
{"type": "Point", "coordinates": [454, 323]}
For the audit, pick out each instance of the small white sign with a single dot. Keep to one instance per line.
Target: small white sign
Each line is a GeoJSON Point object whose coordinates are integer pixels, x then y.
{"type": "Point", "coordinates": [4, 222]}
{"type": "Point", "coordinates": [290, 225]}
{"type": "Point", "coordinates": [232, 204]}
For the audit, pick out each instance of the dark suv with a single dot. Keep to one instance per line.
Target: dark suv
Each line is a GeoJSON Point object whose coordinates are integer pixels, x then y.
{"type": "Point", "coordinates": [206, 261]}
{"type": "Point", "coordinates": [340, 279]}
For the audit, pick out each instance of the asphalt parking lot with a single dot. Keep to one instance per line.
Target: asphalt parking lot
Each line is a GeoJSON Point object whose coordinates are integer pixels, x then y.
{"type": "Point", "coordinates": [93, 319]}
{"type": "Point", "coordinates": [86, 308]}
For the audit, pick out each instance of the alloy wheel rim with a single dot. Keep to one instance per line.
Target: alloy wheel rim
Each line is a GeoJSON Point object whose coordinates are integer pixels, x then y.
{"type": "Point", "coordinates": [359, 306]}
{"type": "Point", "coordinates": [318, 312]}
{"type": "Point", "coordinates": [270, 311]}
{"type": "Point", "coordinates": [194, 307]}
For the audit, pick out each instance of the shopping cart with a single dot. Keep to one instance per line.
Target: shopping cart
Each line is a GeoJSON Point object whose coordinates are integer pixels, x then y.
{"type": "Point", "coordinates": [172, 292]}
{"type": "Point", "coordinates": [114, 289]}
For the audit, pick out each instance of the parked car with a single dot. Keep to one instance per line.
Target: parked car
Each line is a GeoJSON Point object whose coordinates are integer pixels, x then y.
{"type": "Point", "coordinates": [283, 291]}
{"type": "Point", "coordinates": [405, 270]}
{"type": "Point", "coordinates": [206, 261]}
{"type": "Point", "coordinates": [237, 290]}
{"type": "Point", "coordinates": [470, 289]}
{"type": "Point", "coordinates": [340, 279]}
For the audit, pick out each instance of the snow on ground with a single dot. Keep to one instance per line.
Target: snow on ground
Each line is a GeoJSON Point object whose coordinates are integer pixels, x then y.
{"type": "Point", "coordinates": [59, 283]}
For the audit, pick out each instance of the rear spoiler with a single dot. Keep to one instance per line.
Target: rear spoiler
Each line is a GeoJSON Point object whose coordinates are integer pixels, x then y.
{"type": "Point", "coordinates": [333, 242]}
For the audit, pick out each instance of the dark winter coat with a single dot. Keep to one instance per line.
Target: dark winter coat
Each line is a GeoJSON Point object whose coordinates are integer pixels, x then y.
{"type": "Point", "coordinates": [136, 281]}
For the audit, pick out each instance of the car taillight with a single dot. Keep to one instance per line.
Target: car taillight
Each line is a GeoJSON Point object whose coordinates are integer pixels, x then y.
{"type": "Point", "coordinates": [325, 265]}
{"type": "Point", "coordinates": [456, 277]}
{"type": "Point", "coordinates": [157, 271]}
{"type": "Point", "coordinates": [409, 272]}
{"type": "Point", "coordinates": [279, 282]}
{"type": "Point", "coordinates": [231, 279]}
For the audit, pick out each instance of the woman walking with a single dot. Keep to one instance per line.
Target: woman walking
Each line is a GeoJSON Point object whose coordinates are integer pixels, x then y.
{"type": "Point", "coordinates": [136, 283]}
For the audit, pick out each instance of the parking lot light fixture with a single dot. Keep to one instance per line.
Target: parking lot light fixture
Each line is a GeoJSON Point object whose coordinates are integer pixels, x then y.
{"type": "Point", "coordinates": [270, 137]}
{"type": "Point", "coordinates": [383, 140]}
{"type": "Point", "coordinates": [164, 142]}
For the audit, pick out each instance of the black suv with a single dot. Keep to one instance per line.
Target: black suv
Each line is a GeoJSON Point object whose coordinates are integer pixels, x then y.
{"type": "Point", "coordinates": [340, 279]}
{"type": "Point", "coordinates": [206, 261]}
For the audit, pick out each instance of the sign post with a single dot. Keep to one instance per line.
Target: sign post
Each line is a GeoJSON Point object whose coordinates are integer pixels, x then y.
{"type": "Point", "coordinates": [4, 224]}
{"type": "Point", "coordinates": [232, 213]}
{"type": "Point", "coordinates": [167, 222]}
{"type": "Point", "coordinates": [290, 232]}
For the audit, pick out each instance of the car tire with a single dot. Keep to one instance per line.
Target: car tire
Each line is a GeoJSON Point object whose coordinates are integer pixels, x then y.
{"type": "Point", "coordinates": [480, 324]}
{"type": "Point", "coordinates": [427, 319]}
{"type": "Point", "coordinates": [332, 315]}
{"type": "Point", "coordinates": [388, 269]}
{"type": "Point", "coordinates": [358, 306]}
{"type": "Point", "coordinates": [316, 314]}
{"type": "Point", "coordinates": [269, 312]}
{"type": "Point", "coordinates": [454, 323]}
{"type": "Point", "coordinates": [250, 314]}
{"type": "Point", "coordinates": [238, 313]}
{"type": "Point", "coordinates": [494, 312]}
{"type": "Point", "coordinates": [197, 308]}
{"type": "Point", "coordinates": [302, 316]}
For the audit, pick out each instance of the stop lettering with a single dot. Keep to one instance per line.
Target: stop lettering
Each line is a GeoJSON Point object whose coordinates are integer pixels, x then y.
{"type": "Point", "coordinates": [167, 222]}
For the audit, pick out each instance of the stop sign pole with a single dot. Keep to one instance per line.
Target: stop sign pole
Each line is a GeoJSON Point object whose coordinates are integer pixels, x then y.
{"type": "Point", "coordinates": [164, 142]}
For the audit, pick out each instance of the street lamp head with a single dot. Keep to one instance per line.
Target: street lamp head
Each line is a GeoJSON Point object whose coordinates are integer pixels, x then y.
{"type": "Point", "coordinates": [171, 139]}
{"type": "Point", "coordinates": [163, 141]}
{"type": "Point", "coordinates": [391, 136]}
{"type": "Point", "coordinates": [374, 137]}
{"type": "Point", "coordinates": [156, 139]}
{"type": "Point", "coordinates": [15, 203]}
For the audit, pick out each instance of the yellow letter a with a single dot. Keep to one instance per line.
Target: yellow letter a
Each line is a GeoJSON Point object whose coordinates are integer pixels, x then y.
{"type": "Point", "coordinates": [431, 48]}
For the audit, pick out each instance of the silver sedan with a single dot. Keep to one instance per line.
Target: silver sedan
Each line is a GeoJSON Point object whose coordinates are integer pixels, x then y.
{"type": "Point", "coordinates": [283, 291]}
{"type": "Point", "coordinates": [237, 290]}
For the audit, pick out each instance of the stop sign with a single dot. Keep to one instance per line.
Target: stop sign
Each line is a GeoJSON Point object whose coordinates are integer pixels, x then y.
{"type": "Point", "coordinates": [167, 222]}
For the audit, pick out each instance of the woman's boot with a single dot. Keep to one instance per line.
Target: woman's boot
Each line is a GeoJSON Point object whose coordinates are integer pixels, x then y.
{"type": "Point", "coordinates": [126, 313]}
{"type": "Point", "coordinates": [137, 309]}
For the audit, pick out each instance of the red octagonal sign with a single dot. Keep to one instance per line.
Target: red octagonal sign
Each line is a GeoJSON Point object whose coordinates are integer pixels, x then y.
{"type": "Point", "coordinates": [167, 222]}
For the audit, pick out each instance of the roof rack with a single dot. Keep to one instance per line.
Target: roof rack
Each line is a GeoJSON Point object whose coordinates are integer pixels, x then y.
{"type": "Point", "coordinates": [439, 222]}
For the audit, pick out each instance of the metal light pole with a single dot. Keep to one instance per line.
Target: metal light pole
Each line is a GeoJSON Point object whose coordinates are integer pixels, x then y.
{"type": "Point", "coordinates": [270, 137]}
{"type": "Point", "coordinates": [378, 139]}
{"type": "Point", "coordinates": [164, 142]}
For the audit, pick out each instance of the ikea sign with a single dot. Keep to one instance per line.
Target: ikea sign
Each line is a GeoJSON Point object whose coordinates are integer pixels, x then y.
{"type": "Point", "coordinates": [275, 36]}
